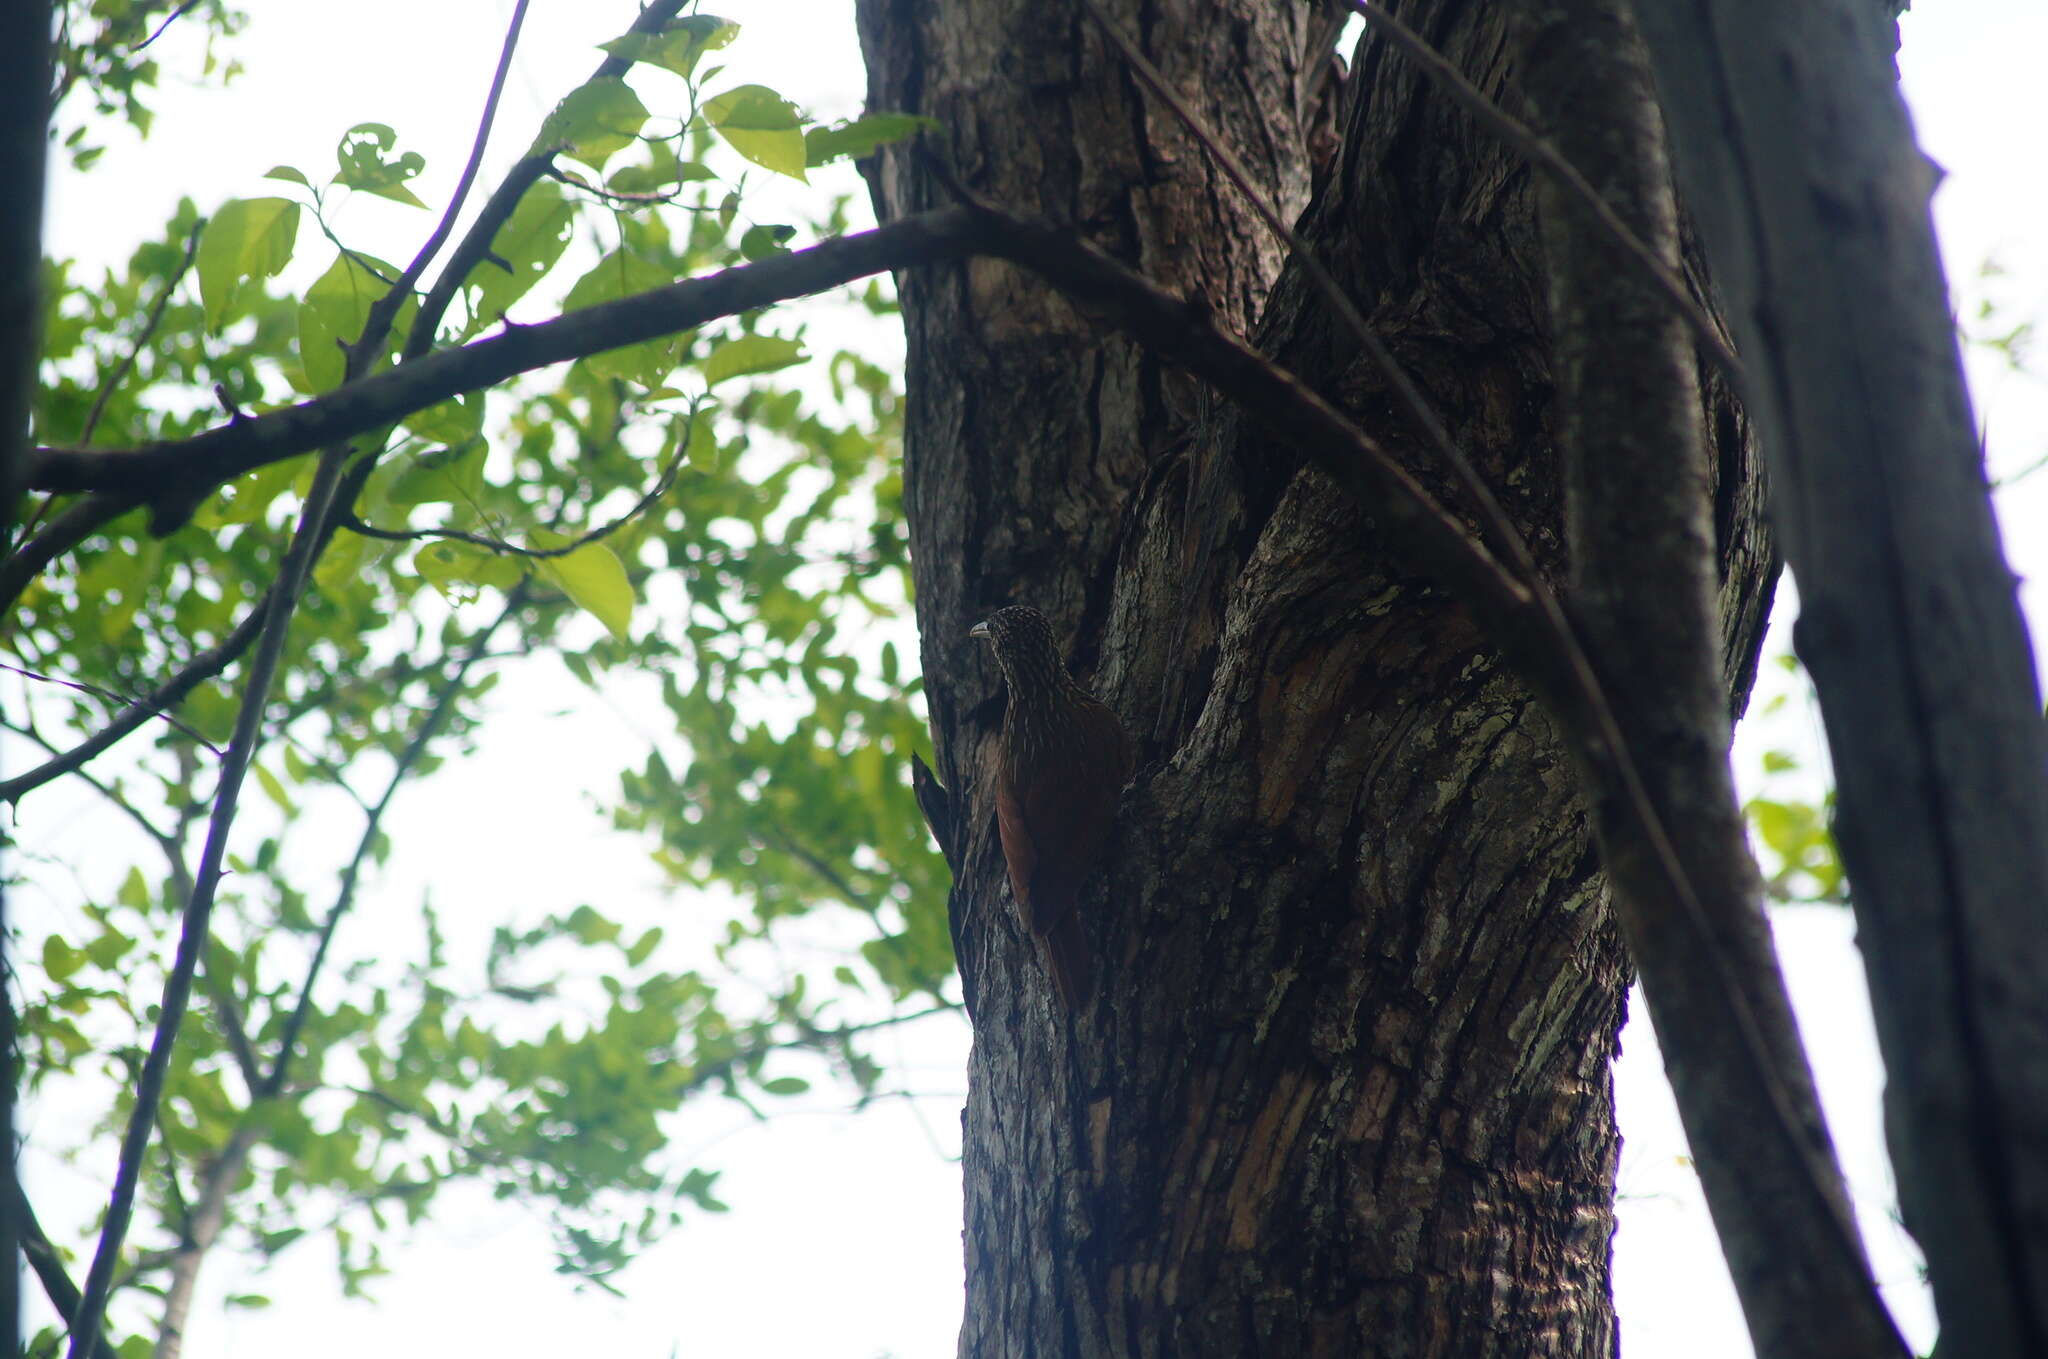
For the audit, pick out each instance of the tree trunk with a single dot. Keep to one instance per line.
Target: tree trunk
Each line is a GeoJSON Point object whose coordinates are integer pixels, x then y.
{"type": "Point", "coordinates": [1908, 615]}
{"type": "Point", "coordinates": [1343, 1084]}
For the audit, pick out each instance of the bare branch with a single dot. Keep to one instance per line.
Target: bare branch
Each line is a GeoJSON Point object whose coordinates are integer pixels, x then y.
{"type": "Point", "coordinates": [180, 12]}
{"type": "Point", "coordinates": [197, 671]}
{"type": "Point", "coordinates": [378, 323]}
{"type": "Point", "coordinates": [475, 245]}
{"type": "Point", "coordinates": [108, 694]}
{"type": "Point", "coordinates": [220, 454]}
{"type": "Point", "coordinates": [280, 603]}
{"type": "Point", "coordinates": [429, 727]}
{"type": "Point", "coordinates": [143, 337]}
{"type": "Point", "coordinates": [46, 1262]}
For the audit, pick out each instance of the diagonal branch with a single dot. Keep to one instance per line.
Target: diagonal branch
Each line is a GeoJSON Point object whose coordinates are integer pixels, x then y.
{"type": "Point", "coordinates": [149, 1087]}
{"type": "Point", "coordinates": [227, 451]}
{"type": "Point", "coordinates": [46, 1262]}
{"type": "Point", "coordinates": [1500, 531]}
{"type": "Point", "coordinates": [430, 726]}
{"type": "Point", "coordinates": [197, 671]}
{"type": "Point", "coordinates": [142, 337]}
{"type": "Point", "coordinates": [98, 691]}
{"type": "Point", "coordinates": [1547, 158]}
{"type": "Point", "coordinates": [378, 323]}
{"type": "Point", "coordinates": [475, 246]}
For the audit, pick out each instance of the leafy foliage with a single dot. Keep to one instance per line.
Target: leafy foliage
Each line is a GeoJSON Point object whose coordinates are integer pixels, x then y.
{"type": "Point", "coordinates": [718, 510]}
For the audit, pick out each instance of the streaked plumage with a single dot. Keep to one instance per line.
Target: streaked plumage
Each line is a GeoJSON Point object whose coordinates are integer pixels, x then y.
{"type": "Point", "coordinates": [1062, 759]}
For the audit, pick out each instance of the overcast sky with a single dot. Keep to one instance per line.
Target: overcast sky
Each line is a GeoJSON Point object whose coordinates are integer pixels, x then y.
{"type": "Point", "coordinates": [844, 1239]}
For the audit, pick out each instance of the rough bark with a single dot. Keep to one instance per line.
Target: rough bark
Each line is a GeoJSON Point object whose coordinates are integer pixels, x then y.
{"type": "Point", "coordinates": [1641, 543]}
{"type": "Point", "coordinates": [1344, 1084]}
{"type": "Point", "coordinates": [1908, 622]}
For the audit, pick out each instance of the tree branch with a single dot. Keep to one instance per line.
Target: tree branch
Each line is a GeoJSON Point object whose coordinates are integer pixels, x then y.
{"type": "Point", "coordinates": [112, 697]}
{"type": "Point", "coordinates": [378, 323]}
{"type": "Point", "coordinates": [429, 727]}
{"type": "Point", "coordinates": [475, 245]}
{"type": "Point", "coordinates": [197, 671]}
{"type": "Point", "coordinates": [662, 482]}
{"type": "Point", "coordinates": [48, 1265]}
{"type": "Point", "coordinates": [1548, 159]}
{"type": "Point", "coordinates": [220, 454]}
{"type": "Point", "coordinates": [156, 316]}
{"type": "Point", "coordinates": [1798, 157]}
{"type": "Point", "coordinates": [1500, 532]}
{"type": "Point", "coordinates": [280, 603]}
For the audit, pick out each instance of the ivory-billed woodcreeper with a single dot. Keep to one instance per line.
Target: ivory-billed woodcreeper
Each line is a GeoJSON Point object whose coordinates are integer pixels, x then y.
{"type": "Point", "coordinates": [1061, 761]}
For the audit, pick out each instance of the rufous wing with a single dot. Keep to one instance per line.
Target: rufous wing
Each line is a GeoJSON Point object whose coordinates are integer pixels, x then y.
{"type": "Point", "coordinates": [1054, 832]}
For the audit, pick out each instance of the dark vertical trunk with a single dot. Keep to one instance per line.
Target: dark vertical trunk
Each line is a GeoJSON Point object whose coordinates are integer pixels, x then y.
{"type": "Point", "coordinates": [1908, 615]}
{"type": "Point", "coordinates": [1343, 1085]}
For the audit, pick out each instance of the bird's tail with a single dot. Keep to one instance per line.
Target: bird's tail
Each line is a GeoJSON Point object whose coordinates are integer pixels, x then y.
{"type": "Point", "coordinates": [1067, 958]}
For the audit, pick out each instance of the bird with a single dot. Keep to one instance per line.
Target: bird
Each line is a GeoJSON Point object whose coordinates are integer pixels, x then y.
{"type": "Point", "coordinates": [1060, 763]}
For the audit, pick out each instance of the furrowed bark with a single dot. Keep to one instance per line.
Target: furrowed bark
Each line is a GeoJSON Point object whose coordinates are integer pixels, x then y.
{"type": "Point", "coordinates": [1344, 1086]}
{"type": "Point", "coordinates": [1639, 515]}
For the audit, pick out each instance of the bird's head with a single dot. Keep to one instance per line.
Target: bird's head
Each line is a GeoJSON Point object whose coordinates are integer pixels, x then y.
{"type": "Point", "coordinates": [1021, 639]}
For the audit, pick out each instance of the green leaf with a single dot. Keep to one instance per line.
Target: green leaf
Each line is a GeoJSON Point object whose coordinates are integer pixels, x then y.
{"type": "Point", "coordinates": [61, 960]}
{"type": "Point", "coordinates": [251, 494]}
{"type": "Point", "coordinates": [525, 248]}
{"type": "Point", "coordinates": [457, 569]}
{"type": "Point", "coordinates": [363, 152]}
{"type": "Point", "coordinates": [750, 354]}
{"type": "Point", "coordinates": [862, 136]}
{"type": "Point", "coordinates": [593, 577]}
{"type": "Point", "coordinates": [643, 947]}
{"type": "Point", "coordinates": [761, 242]}
{"type": "Point", "coordinates": [273, 787]}
{"type": "Point", "coordinates": [595, 121]}
{"type": "Point", "coordinates": [134, 892]}
{"type": "Point", "coordinates": [452, 475]}
{"type": "Point", "coordinates": [623, 273]}
{"type": "Point", "coordinates": [786, 1085]}
{"type": "Point", "coordinates": [288, 173]}
{"type": "Point", "coordinates": [761, 125]}
{"type": "Point", "coordinates": [455, 421]}
{"type": "Point", "coordinates": [333, 313]}
{"type": "Point", "coordinates": [677, 47]}
{"type": "Point", "coordinates": [248, 238]}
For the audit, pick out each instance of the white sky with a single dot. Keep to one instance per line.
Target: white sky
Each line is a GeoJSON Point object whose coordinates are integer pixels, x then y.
{"type": "Point", "coordinates": [844, 1239]}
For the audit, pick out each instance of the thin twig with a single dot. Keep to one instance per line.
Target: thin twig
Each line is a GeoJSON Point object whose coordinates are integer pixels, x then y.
{"type": "Point", "coordinates": [661, 485]}
{"type": "Point", "coordinates": [1540, 153]}
{"type": "Point", "coordinates": [475, 245]}
{"type": "Point", "coordinates": [149, 1087]}
{"type": "Point", "coordinates": [169, 19]}
{"type": "Point", "coordinates": [197, 671]}
{"type": "Point", "coordinates": [1553, 658]}
{"type": "Point", "coordinates": [107, 791]}
{"type": "Point", "coordinates": [1500, 532]}
{"type": "Point", "coordinates": [112, 697]}
{"type": "Point", "coordinates": [156, 316]}
{"type": "Point", "coordinates": [46, 1262]}
{"type": "Point", "coordinates": [430, 725]}
{"type": "Point", "coordinates": [378, 324]}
